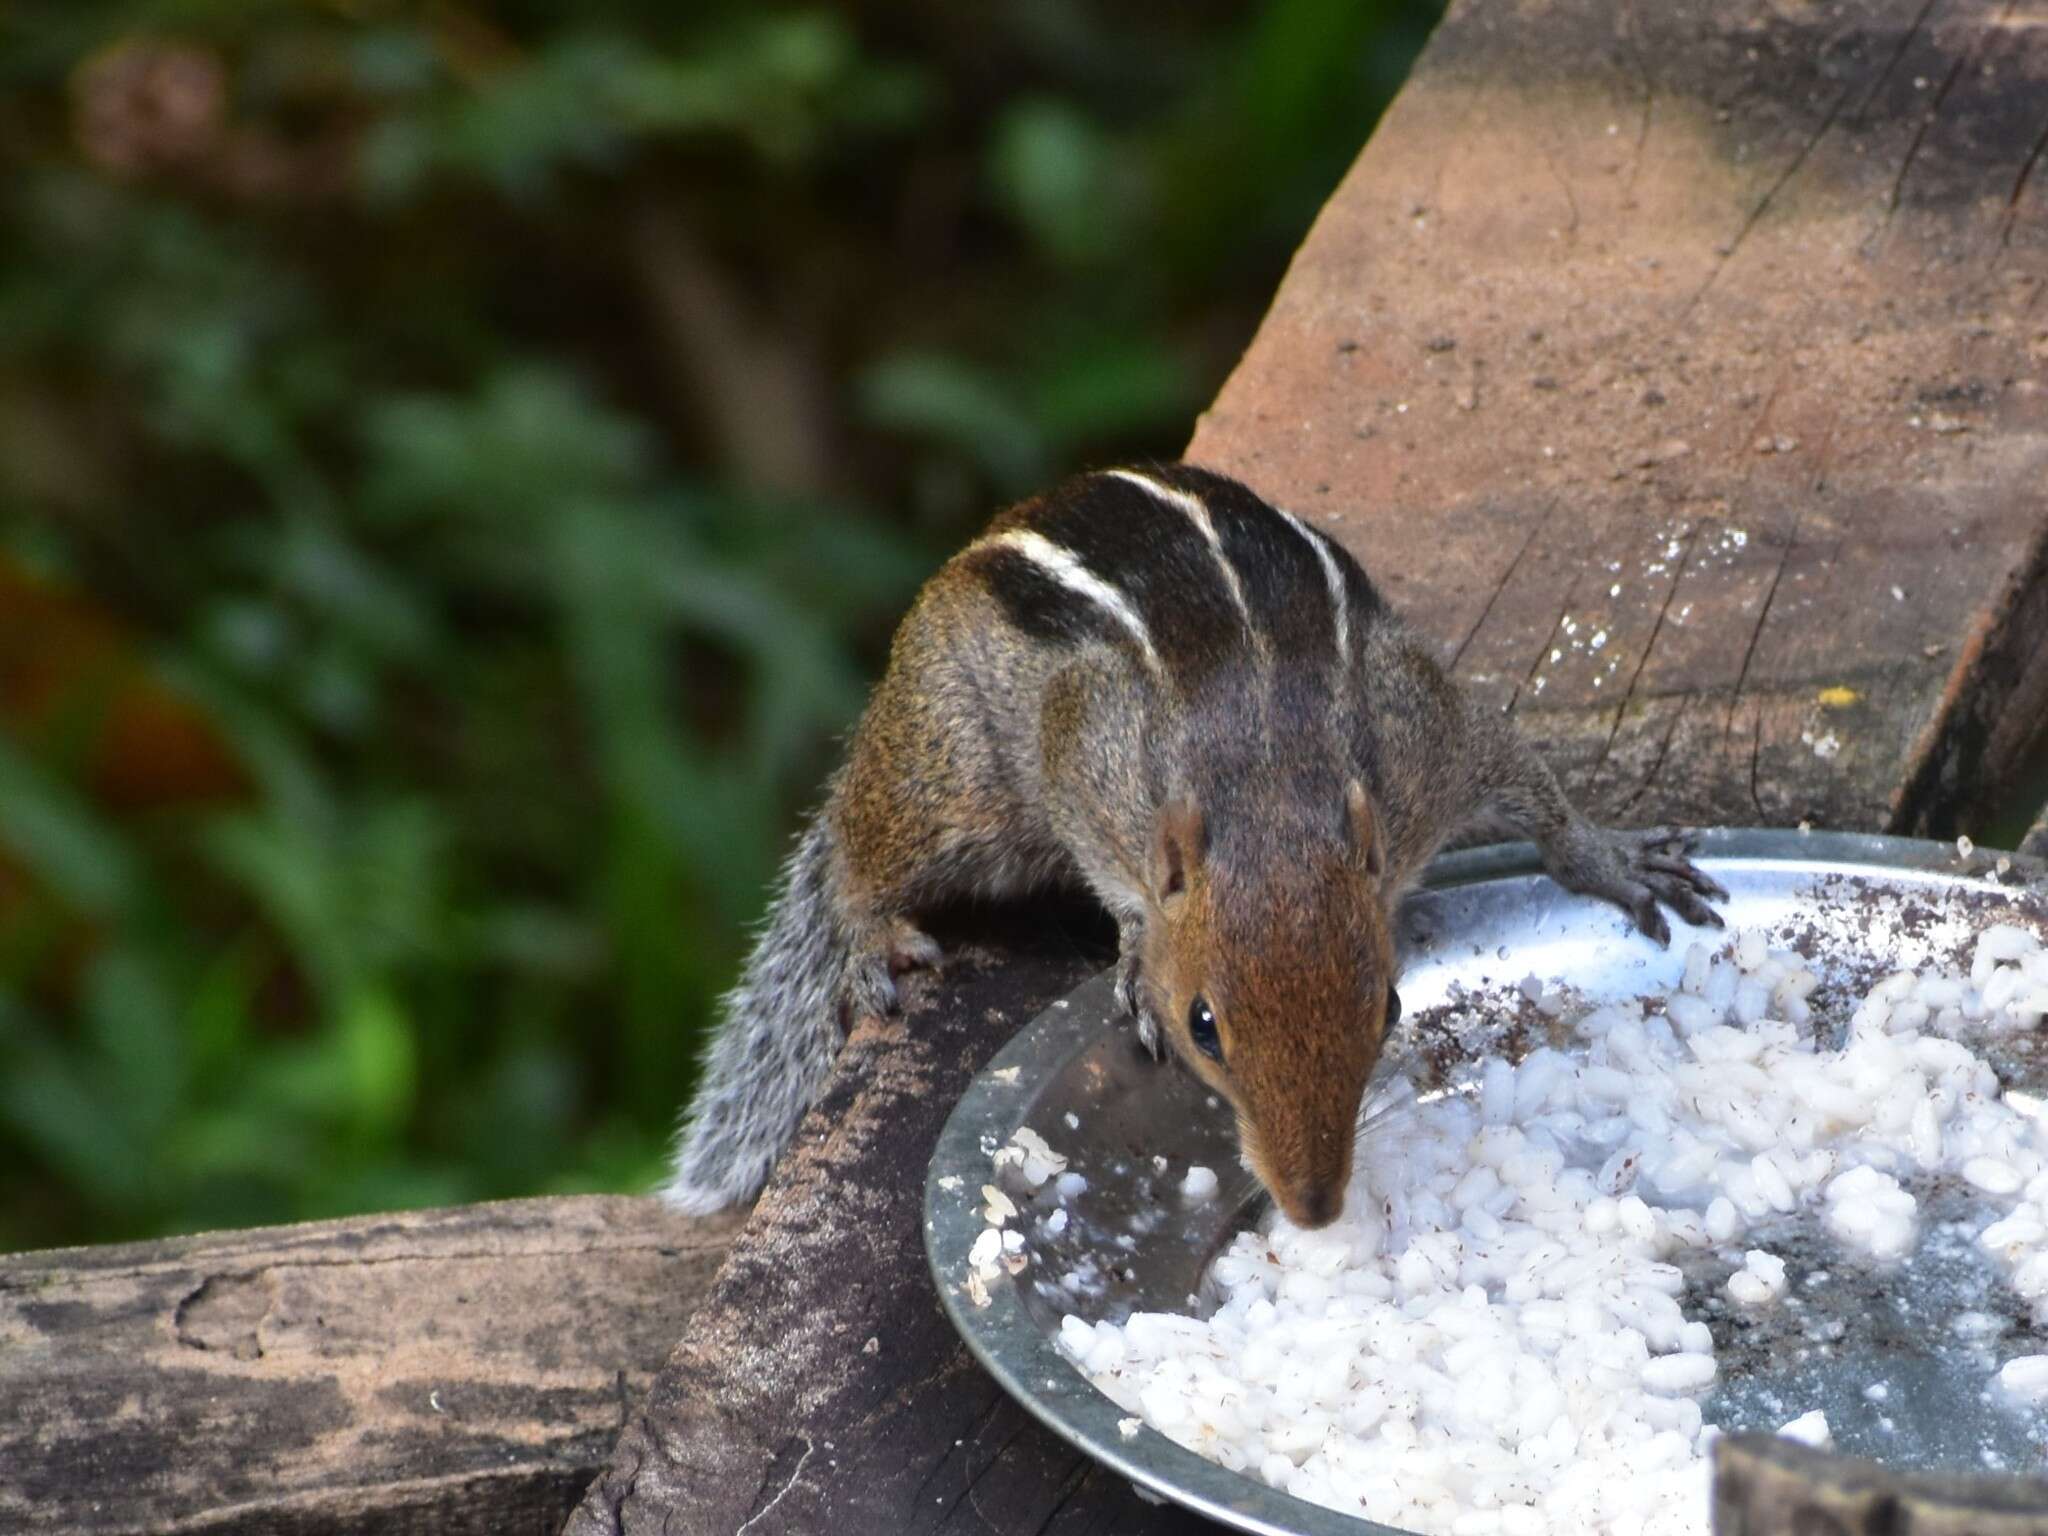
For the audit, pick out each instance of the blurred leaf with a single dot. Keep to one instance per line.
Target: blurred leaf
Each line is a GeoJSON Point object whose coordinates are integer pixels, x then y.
{"type": "Point", "coordinates": [49, 1099]}
{"type": "Point", "coordinates": [1105, 390]}
{"type": "Point", "coordinates": [131, 1013]}
{"type": "Point", "coordinates": [950, 401]}
{"type": "Point", "coordinates": [394, 61]}
{"type": "Point", "coordinates": [528, 437]}
{"type": "Point", "coordinates": [333, 367]}
{"type": "Point", "coordinates": [49, 827]}
{"type": "Point", "coordinates": [784, 84]}
{"type": "Point", "coordinates": [376, 1059]}
{"type": "Point", "coordinates": [529, 121]}
{"type": "Point", "coordinates": [1062, 178]}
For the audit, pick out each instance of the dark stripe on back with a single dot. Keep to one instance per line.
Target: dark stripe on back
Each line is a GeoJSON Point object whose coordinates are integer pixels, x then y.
{"type": "Point", "coordinates": [1039, 604]}
{"type": "Point", "coordinates": [1283, 581]}
{"type": "Point", "coordinates": [1155, 555]}
{"type": "Point", "coordinates": [1267, 553]}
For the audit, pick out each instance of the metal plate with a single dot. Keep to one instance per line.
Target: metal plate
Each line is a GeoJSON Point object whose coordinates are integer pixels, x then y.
{"type": "Point", "coordinates": [1856, 906]}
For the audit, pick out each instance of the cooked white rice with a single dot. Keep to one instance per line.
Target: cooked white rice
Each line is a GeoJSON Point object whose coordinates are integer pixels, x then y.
{"type": "Point", "coordinates": [1491, 1338]}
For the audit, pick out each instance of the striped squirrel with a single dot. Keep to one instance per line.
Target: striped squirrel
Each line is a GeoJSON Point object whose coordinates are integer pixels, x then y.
{"type": "Point", "coordinates": [1151, 682]}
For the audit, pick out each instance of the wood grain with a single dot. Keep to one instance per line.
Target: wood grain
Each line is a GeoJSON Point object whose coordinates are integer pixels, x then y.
{"type": "Point", "coordinates": [439, 1371]}
{"type": "Point", "coordinates": [820, 1388]}
{"type": "Point", "coordinates": [1681, 368]}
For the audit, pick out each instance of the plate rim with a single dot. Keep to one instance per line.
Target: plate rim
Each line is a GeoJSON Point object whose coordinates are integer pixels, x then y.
{"type": "Point", "coordinates": [1011, 1348]}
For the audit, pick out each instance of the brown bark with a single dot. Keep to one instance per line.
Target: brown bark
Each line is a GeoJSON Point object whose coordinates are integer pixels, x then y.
{"type": "Point", "coordinates": [447, 1371]}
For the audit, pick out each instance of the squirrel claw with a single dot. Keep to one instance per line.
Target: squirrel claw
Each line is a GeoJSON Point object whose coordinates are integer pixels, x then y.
{"type": "Point", "coordinates": [1644, 872]}
{"type": "Point", "coordinates": [912, 949]}
{"type": "Point", "coordinates": [1148, 1036]}
{"type": "Point", "coordinates": [1650, 919]}
{"type": "Point", "coordinates": [871, 990]}
{"type": "Point", "coordinates": [1685, 877]}
{"type": "Point", "coordinates": [1130, 997]}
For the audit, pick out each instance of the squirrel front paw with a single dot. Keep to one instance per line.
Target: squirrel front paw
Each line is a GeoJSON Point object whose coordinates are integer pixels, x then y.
{"type": "Point", "coordinates": [1130, 996]}
{"type": "Point", "coordinates": [1641, 872]}
{"type": "Point", "coordinates": [871, 971]}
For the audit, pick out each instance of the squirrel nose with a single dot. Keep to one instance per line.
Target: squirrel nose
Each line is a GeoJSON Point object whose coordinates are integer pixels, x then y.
{"type": "Point", "coordinates": [1317, 1205]}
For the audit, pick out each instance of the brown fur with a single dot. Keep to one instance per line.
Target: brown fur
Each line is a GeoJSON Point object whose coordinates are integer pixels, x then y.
{"type": "Point", "coordinates": [1246, 802]}
{"type": "Point", "coordinates": [1295, 967]}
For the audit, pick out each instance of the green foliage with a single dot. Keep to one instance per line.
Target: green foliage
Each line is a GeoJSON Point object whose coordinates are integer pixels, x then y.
{"type": "Point", "coordinates": [506, 433]}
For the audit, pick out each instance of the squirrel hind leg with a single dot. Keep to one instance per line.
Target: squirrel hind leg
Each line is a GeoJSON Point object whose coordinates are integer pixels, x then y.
{"type": "Point", "coordinates": [878, 956]}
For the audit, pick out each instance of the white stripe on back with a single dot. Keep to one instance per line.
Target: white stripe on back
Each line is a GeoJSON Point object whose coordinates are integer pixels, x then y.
{"type": "Point", "coordinates": [1340, 612]}
{"type": "Point", "coordinates": [1197, 513]}
{"type": "Point", "coordinates": [1065, 567]}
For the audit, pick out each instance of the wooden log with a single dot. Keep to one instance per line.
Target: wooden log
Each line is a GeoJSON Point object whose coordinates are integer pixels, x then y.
{"type": "Point", "coordinates": [439, 1371]}
{"type": "Point", "coordinates": [1641, 354]}
{"type": "Point", "coordinates": [1683, 369]}
{"type": "Point", "coordinates": [820, 1388]}
{"type": "Point", "coordinates": [1767, 1485]}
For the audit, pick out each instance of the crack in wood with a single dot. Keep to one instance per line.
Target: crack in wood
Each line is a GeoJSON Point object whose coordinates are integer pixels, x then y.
{"type": "Point", "coordinates": [1663, 750]}
{"type": "Point", "coordinates": [1806, 149]}
{"type": "Point", "coordinates": [1073, 1485]}
{"type": "Point", "coordinates": [1861, 116]}
{"type": "Point", "coordinates": [795, 1477]}
{"type": "Point", "coordinates": [1933, 112]}
{"type": "Point", "coordinates": [967, 1444]}
{"type": "Point", "coordinates": [2019, 187]}
{"type": "Point", "coordinates": [1634, 32]}
{"type": "Point", "coordinates": [1770, 594]}
{"type": "Point", "coordinates": [1564, 612]}
{"type": "Point", "coordinates": [1726, 253]}
{"type": "Point", "coordinates": [1501, 586]}
{"type": "Point", "coordinates": [29, 1282]}
{"type": "Point", "coordinates": [1571, 202]}
{"type": "Point", "coordinates": [966, 1493]}
{"type": "Point", "coordinates": [1649, 645]}
{"type": "Point", "coordinates": [1756, 752]}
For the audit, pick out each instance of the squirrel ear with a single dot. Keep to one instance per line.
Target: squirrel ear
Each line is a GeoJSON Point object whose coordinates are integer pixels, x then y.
{"type": "Point", "coordinates": [1365, 829]}
{"type": "Point", "coordinates": [1179, 840]}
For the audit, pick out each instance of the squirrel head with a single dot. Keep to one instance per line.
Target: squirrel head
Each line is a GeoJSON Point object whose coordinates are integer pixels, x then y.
{"type": "Point", "coordinates": [1269, 960]}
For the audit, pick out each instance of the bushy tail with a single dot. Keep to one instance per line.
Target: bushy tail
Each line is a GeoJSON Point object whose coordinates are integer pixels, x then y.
{"type": "Point", "coordinates": [774, 1044]}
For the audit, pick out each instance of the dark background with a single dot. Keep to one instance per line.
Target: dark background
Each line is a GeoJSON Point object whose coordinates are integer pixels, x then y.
{"type": "Point", "coordinates": [459, 464]}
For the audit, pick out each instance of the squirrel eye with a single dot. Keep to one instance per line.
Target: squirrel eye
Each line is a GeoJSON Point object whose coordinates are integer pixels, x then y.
{"type": "Point", "coordinates": [1393, 1007]}
{"type": "Point", "coordinates": [1202, 1030]}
